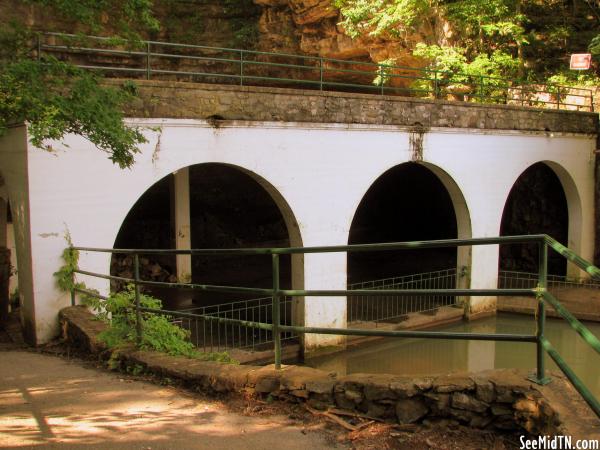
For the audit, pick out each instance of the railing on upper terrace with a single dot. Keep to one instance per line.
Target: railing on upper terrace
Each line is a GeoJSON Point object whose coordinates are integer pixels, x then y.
{"type": "Point", "coordinates": [197, 63]}
{"type": "Point", "coordinates": [276, 327]}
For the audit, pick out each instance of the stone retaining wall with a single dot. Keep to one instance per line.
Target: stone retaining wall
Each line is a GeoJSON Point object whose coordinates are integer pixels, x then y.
{"type": "Point", "coordinates": [501, 399]}
{"type": "Point", "coordinates": [166, 99]}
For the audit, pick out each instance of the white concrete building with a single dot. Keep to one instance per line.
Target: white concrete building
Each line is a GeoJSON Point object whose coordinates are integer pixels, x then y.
{"type": "Point", "coordinates": [316, 172]}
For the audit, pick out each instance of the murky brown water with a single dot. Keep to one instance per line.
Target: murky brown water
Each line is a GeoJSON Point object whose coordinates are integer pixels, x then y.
{"type": "Point", "coordinates": [427, 356]}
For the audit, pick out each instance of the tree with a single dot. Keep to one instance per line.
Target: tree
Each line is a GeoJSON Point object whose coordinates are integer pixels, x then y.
{"type": "Point", "coordinates": [491, 37]}
{"type": "Point", "coordinates": [55, 98]}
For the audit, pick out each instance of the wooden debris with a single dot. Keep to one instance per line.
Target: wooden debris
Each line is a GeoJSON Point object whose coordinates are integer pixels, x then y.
{"type": "Point", "coordinates": [343, 412]}
{"type": "Point", "coordinates": [331, 417]}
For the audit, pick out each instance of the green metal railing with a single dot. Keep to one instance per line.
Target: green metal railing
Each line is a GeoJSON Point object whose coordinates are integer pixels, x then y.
{"type": "Point", "coordinates": [540, 292]}
{"type": "Point", "coordinates": [198, 63]}
{"type": "Point", "coordinates": [394, 308]}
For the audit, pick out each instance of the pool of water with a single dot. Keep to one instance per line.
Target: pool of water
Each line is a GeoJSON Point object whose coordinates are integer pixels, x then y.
{"type": "Point", "coordinates": [428, 357]}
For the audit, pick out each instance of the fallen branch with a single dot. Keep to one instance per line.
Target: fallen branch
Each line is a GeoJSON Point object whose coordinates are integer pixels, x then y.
{"type": "Point", "coordinates": [362, 426]}
{"type": "Point", "coordinates": [331, 417]}
{"type": "Point", "coordinates": [343, 412]}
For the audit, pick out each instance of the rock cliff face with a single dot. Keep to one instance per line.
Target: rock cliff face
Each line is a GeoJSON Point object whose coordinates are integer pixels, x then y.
{"type": "Point", "coordinates": [311, 27]}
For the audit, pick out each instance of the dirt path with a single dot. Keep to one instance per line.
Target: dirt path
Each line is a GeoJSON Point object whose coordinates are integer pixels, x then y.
{"type": "Point", "coordinates": [50, 403]}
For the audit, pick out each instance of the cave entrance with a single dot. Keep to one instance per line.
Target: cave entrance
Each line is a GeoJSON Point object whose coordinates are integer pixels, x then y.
{"type": "Point", "coordinates": [536, 204]}
{"type": "Point", "coordinates": [410, 202]}
{"type": "Point", "coordinates": [229, 207]}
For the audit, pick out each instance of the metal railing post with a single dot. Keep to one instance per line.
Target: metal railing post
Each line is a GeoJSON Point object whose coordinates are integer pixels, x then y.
{"type": "Point", "coordinates": [73, 302]}
{"type": "Point", "coordinates": [436, 86]}
{"type": "Point", "coordinates": [381, 78]}
{"type": "Point", "coordinates": [241, 67]}
{"type": "Point", "coordinates": [320, 74]}
{"type": "Point", "coordinates": [558, 98]}
{"type": "Point", "coordinates": [481, 89]}
{"type": "Point", "coordinates": [275, 312]}
{"type": "Point", "coordinates": [540, 375]}
{"type": "Point", "coordinates": [138, 314]}
{"type": "Point", "coordinates": [148, 60]}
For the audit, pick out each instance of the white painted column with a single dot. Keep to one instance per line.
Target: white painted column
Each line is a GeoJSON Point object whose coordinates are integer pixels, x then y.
{"type": "Point", "coordinates": [481, 354]}
{"type": "Point", "coordinates": [181, 216]}
{"type": "Point", "coordinates": [484, 275]}
{"type": "Point", "coordinates": [326, 271]}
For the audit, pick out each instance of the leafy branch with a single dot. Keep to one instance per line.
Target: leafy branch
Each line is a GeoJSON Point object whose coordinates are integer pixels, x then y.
{"type": "Point", "coordinates": [118, 312]}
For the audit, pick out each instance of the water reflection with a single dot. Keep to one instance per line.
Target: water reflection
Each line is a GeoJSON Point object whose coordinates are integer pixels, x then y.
{"type": "Point", "coordinates": [426, 357]}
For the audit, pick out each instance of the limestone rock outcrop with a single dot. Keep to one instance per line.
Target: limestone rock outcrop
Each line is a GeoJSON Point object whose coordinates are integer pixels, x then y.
{"type": "Point", "coordinates": [312, 27]}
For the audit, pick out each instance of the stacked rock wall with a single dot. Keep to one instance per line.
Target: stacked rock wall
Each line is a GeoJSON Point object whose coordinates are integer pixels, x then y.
{"type": "Point", "coordinates": [500, 399]}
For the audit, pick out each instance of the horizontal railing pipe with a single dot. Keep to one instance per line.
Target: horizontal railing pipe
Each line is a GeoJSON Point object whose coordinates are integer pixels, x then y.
{"type": "Point", "coordinates": [90, 293]}
{"type": "Point", "coordinates": [570, 255]}
{"type": "Point", "coordinates": [581, 329]}
{"type": "Point", "coordinates": [208, 287]}
{"type": "Point", "coordinates": [414, 292]}
{"type": "Point", "coordinates": [573, 378]}
{"type": "Point", "coordinates": [441, 243]}
{"type": "Point", "coordinates": [411, 334]}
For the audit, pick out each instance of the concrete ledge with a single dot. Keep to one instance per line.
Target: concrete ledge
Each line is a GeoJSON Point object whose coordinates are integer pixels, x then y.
{"type": "Point", "coordinates": [583, 303]}
{"type": "Point", "coordinates": [171, 99]}
{"type": "Point", "coordinates": [499, 399]}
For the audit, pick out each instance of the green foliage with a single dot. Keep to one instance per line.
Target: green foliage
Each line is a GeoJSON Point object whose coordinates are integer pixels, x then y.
{"type": "Point", "coordinates": [376, 17]}
{"type": "Point", "coordinates": [54, 97]}
{"type": "Point", "coordinates": [126, 16]}
{"type": "Point", "coordinates": [520, 38]}
{"type": "Point", "coordinates": [65, 275]}
{"type": "Point", "coordinates": [575, 79]}
{"type": "Point", "coordinates": [480, 75]}
{"type": "Point", "coordinates": [135, 369]}
{"type": "Point", "coordinates": [385, 70]}
{"type": "Point", "coordinates": [594, 46]}
{"type": "Point", "coordinates": [118, 310]}
{"type": "Point", "coordinates": [487, 24]}
{"type": "Point", "coordinates": [245, 35]}
{"type": "Point", "coordinates": [159, 334]}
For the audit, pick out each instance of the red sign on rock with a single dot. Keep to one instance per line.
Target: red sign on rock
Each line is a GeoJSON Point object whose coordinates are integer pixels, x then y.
{"type": "Point", "coordinates": [581, 61]}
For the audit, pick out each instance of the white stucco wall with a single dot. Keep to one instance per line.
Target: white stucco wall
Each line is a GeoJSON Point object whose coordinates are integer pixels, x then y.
{"type": "Point", "coordinates": [319, 171]}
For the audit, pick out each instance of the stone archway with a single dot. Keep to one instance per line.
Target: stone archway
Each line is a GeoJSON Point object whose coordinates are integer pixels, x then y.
{"type": "Point", "coordinates": [543, 199]}
{"type": "Point", "coordinates": [229, 207]}
{"type": "Point", "coordinates": [409, 202]}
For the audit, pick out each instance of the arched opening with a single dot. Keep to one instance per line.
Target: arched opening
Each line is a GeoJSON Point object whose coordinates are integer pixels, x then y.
{"type": "Point", "coordinates": [537, 203]}
{"type": "Point", "coordinates": [410, 202]}
{"type": "Point", "coordinates": [229, 207]}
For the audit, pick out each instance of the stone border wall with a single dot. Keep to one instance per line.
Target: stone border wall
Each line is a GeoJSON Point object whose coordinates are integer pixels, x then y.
{"type": "Point", "coordinates": [500, 399]}
{"type": "Point", "coordinates": [179, 100]}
